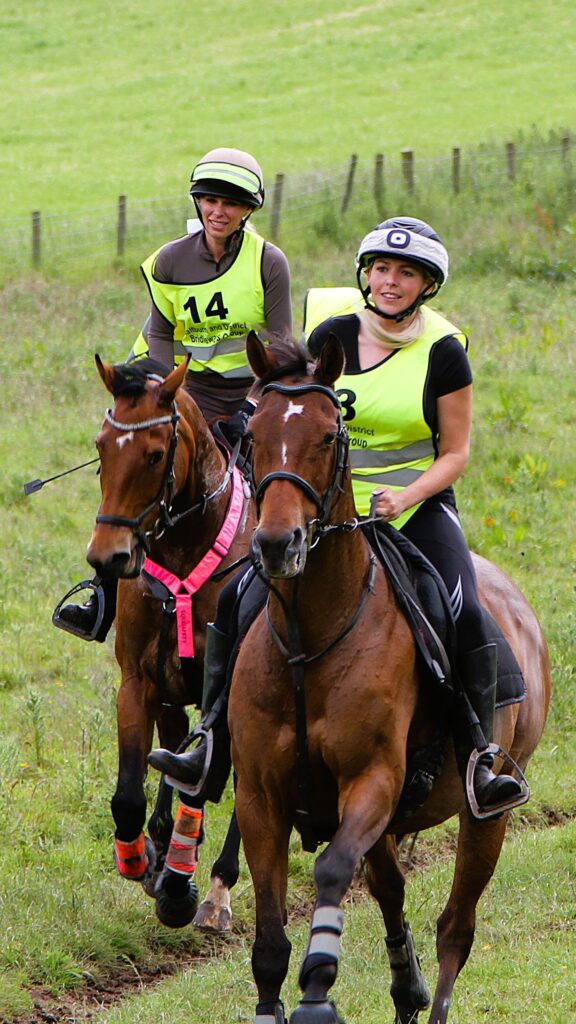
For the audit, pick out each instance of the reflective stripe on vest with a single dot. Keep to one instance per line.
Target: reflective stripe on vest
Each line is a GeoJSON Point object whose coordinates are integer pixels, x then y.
{"type": "Point", "coordinates": [391, 444]}
{"type": "Point", "coordinates": [212, 319]}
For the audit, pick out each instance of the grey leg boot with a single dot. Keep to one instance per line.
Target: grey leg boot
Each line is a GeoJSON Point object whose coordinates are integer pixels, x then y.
{"type": "Point", "coordinates": [478, 672]}
{"type": "Point", "coordinates": [203, 771]}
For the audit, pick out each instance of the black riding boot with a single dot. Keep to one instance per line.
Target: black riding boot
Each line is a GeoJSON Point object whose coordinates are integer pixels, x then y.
{"type": "Point", "coordinates": [204, 771]}
{"type": "Point", "coordinates": [478, 673]}
{"type": "Point", "coordinates": [93, 619]}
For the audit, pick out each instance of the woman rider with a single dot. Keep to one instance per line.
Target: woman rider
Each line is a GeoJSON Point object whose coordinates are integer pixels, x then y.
{"type": "Point", "coordinates": [407, 400]}
{"type": "Point", "coordinates": [208, 289]}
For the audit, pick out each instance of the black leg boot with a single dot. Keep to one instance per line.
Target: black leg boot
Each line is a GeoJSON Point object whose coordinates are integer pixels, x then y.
{"type": "Point", "coordinates": [203, 771]}
{"type": "Point", "coordinates": [478, 674]}
{"type": "Point", "coordinates": [93, 619]}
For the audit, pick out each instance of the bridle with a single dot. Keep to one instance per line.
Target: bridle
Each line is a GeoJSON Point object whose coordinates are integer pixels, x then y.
{"type": "Point", "coordinates": [165, 494]}
{"type": "Point", "coordinates": [323, 503]}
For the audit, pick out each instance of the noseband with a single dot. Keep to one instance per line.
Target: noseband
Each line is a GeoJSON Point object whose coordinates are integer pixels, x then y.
{"type": "Point", "coordinates": [323, 504]}
{"type": "Point", "coordinates": [166, 490]}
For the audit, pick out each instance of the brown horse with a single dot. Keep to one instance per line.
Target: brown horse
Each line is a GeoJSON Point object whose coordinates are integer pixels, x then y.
{"type": "Point", "coordinates": [332, 656]}
{"type": "Point", "coordinates": [171, 505]}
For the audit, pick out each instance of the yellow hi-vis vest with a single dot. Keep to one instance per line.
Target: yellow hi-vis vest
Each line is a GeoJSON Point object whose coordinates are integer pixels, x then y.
{"type": "Point", "coordinates": [322, 303]}
{"type": "Point", "coordinates": [390, 442]}
{"type": "Point", "coordinates": [212, 319]}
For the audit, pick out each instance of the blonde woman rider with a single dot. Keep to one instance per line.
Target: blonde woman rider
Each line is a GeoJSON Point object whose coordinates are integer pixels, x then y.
{"type": "Point", "coordinates": [407, 402]}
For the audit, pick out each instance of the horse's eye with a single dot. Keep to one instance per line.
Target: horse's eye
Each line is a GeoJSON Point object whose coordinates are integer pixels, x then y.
{"type": "Point", "coordinates": [329, 439]}
{"type": "Point", "coordinates": [155, 458]}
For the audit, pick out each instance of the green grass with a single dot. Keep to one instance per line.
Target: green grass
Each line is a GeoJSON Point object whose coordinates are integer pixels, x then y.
{"type": "Point", "coordinates": [100, 99]}
{"type": "Point", "coordinates": [65, 916]}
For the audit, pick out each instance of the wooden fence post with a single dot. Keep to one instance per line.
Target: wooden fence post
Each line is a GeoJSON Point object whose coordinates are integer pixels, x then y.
{"type": "Point", "coordinates": [456, 170]}
{"type": "Point", "coordinates": [565, 146]}
{"type": "Point", "coordinates": [511, 160]}
{"type": "Point", "coordinates": [349, 183]}
{"type": "Point", "coordinates": [408, 169]}
{"type": "Point", "coordinates": [121, 231]}
{"type": "Point", "coordinates": [379, 182]}
{"type": "Point", "coordinates": [36, 238]}
{"type": "Point", "coordinates": [277, 189]}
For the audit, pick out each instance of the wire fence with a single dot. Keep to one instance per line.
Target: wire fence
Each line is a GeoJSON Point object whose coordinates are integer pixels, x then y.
{"type": "Point", "coordinates": [128, 229]}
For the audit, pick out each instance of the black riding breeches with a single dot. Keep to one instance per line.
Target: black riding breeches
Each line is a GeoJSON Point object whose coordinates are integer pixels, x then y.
{"type": "Point", "coordinates": [435, 529]}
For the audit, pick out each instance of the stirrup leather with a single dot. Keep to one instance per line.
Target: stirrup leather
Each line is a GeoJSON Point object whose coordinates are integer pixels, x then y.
{"type": "Point", "coordinates": [514, 770]}
{"type": "Point", "coordinates": [69, 627]}
{"type": "Point", "coordinates": [186, 787]}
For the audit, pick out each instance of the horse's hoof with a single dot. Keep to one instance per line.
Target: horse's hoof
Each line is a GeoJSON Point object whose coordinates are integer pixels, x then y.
{"type": "Point", "coordinates": [176, 911]}
{"type": "Point", "coordinates": [149, 883]}
{"type": "Point", "coordinates": [210, 918]}
{"type": "Point", "coordinates": [316, 1011]}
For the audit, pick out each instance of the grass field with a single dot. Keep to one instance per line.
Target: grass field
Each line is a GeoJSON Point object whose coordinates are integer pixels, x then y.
{"type": "Point", "coordinates": [100, 99]}
{"type": "Point", "coordinates": [68, 922]}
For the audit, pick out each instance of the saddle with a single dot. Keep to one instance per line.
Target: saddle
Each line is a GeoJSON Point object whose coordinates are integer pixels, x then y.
{"type": "Point", "coordinates": [422, 595]}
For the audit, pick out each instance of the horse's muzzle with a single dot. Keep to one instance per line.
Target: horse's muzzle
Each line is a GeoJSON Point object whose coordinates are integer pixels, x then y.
{"type": "Point", "coordinates": [118, 563]}
{"type": "Point", "coordinates": [282, 555]}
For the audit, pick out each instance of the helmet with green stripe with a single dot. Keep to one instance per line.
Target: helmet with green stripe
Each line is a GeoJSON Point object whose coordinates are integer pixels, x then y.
{"type": "Point", "coordinates": [229, 174]}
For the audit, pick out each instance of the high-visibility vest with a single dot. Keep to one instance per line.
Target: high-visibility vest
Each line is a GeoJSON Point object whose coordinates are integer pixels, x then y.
{"type": "Point", "coordinates": [212, 319]}
{"type": "Point", "coordinates": [322, 303]}
{"type": "Point", "coordinates": [391, 444]}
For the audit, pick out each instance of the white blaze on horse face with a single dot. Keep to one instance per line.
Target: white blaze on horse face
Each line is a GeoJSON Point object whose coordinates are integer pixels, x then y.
{"type": "Point", "coordinates": [124, 438]}
{"type": "Point", "coordinates": [293, 410]}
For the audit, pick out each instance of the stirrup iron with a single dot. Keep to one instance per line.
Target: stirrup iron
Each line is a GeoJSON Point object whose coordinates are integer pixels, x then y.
{"type": "Point", "coordinates": [187, 787]}
{"type": "Point", "coordinates": [69, 627]}
{"type": "Point", "coordinates": [492, 812]}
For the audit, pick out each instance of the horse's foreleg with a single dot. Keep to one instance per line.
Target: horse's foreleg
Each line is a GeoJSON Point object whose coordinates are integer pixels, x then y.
{"type": "Point", "coordinates": [386, 883]}
{"type": "Point", "coordinates": [173, 726]}
{"type": "Point", "coordinates": [265, 838]}
{"type": "Point", "coordinates": [479, 845]}
{"type": "Point", "coordinates": [134, 854]}
{"type": "Point", "coordinates": [365, 812]}
{"type": "Point", "coordinates": [214, 913]}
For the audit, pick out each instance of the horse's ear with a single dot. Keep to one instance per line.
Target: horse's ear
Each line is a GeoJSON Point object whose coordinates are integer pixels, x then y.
{"type": "Point", "coordinates": [259, 355]}
{"type": "Point", "coordinates": [330, 362]}
{"type": "Point", "coordinates": [170, 385]}
{"type": "Point", "coordinates": [108, 373]}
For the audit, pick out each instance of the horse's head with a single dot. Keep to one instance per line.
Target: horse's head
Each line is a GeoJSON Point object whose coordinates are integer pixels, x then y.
{"type": "Point", "coordinates": [299, 450]}
{"type": "Point", "coordinates": [137, 445]}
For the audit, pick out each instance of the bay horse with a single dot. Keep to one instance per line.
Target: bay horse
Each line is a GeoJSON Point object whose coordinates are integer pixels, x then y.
{"type": "Point", "coordinates": [172, 512]}
{"type": "Point", "coordinates": [332, 655]}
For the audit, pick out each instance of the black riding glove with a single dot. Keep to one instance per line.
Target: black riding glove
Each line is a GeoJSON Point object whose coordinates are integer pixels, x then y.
{"type": "Point", "coordinates": [235, 428]}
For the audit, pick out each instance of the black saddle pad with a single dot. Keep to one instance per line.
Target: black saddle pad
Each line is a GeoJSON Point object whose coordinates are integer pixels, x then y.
{"type": "Point", "coordinates": [412, 573]}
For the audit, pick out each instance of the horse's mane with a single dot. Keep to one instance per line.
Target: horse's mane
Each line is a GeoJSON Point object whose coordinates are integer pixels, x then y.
{"type": "Point", "coordinates": [130, 378]}
{"type": "Point", "coordinates": [292, 358]}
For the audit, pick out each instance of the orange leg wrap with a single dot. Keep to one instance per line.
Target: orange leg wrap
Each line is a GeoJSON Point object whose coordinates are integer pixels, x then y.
{"type": "Point", "coordinates": [131, 858]}
{"type": "Point", "coordinates": [182, 853]}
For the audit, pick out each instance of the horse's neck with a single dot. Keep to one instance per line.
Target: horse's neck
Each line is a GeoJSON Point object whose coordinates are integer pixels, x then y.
{"type": "Point", "coordinates": [325, 597]}
{"type": "Point", "coordinates": [200, 470]}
